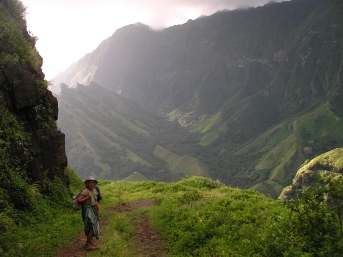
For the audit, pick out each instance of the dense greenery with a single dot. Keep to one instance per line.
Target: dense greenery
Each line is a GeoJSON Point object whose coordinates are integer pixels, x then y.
{"type": "Point", "coordinates": [32, 193]}
{"type": "Point", "coordinates": [317, 216]}
{"type": "Point", "coordinates": [15, 46]}
{"type": "Point", "coordinates": [196, 216]}
{"type": "Point", "coordinates": [14, 182]}
{"type": "Point", "coordinates": [200, 217]}
{"type": "Point", "coordinates": [47, 222]}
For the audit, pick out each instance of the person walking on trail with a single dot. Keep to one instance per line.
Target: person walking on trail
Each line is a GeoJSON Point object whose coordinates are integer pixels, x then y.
{"type": "Point", "coordinates": [90, 212]}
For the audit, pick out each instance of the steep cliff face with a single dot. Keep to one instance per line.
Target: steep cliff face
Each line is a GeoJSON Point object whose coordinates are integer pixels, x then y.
{"type": "Point", "coordinates": [32, 148]}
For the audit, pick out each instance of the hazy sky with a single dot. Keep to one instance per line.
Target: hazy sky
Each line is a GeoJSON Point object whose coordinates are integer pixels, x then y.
{"type": "Point", "coordinates": [69, 29]}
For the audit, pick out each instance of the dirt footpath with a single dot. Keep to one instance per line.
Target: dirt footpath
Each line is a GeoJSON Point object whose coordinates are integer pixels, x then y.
{"type": "Point", "coordinates": [147, 236]}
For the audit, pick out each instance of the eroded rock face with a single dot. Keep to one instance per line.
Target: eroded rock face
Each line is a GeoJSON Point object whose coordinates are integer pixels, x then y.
{"type": "Point", "coordinates": [23, 93]}
{"type": "Point", "coordinates": [32, 149]}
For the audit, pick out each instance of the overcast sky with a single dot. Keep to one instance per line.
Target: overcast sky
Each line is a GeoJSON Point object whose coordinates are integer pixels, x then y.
{"type": "Point", "coordinates": [69, 29]}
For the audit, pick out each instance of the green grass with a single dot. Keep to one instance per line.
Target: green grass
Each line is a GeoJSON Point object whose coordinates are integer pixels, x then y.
{"type": "Point", "coordinates": [135, 158]}
{"type": "Point", "coordinates": [207, 126]}
{"type": "Point", "coordinates": [331, 161]}
{"type": "Point", "coordinates": [268, 188]}
{"type": "Point", "coordinates": [49, 224]}
{"type": "Point", "coordinates": [209, 138]}
{"type": "Point", "coordinates": [279, 156]}
{"type": "Point", "coordinates": [132, 127]}
{"type": "Point", "coordinates": [196, 216]}
{"type": "Point", "coordinates": [182, 164]}
{"type": "Point", "coordinates": [136, 176]}
{"type": "Point", "coordinates": [321, 126]}
{"type": "Point", "coordinates": [267, 141]}
{"type": "Point", "coordinates": [282, 149]}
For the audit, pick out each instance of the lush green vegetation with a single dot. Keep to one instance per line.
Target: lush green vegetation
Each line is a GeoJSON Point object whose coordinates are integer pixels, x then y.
{"type": "Point", "coordinates": [12, 166]}
{"type": "Point", "coordinates": [19, 46]}
{"type": "Point", "coordinates": [47, 220]}
{"type": "Point", "coordinates": [201, 217]}
{"type": "Point", "coordinates": [30, 196]}
{"type": "Point", "coordinates": [182, 164]}
{"type": "Point", "coordinates": [196, 216]}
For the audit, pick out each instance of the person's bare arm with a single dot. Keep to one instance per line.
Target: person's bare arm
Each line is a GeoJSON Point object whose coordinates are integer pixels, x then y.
{"type": "Point", "coordinates": [83, 198]}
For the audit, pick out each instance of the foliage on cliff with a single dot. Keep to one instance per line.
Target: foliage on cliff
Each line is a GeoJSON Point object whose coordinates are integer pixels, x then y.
{"type": "Point", "coordinates": [32, 156]}
{"type": "Point", "coordinates": [313, 170]}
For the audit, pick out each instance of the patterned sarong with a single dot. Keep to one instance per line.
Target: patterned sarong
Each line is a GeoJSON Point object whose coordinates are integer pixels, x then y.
{"type": "Point", "coordinates": [91, 220]}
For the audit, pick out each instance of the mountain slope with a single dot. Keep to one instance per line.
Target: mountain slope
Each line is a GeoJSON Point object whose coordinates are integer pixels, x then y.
{"type": "Point", "coordinates": [110, 137]}
{"type": "Point", "coordinates": [236, 77]}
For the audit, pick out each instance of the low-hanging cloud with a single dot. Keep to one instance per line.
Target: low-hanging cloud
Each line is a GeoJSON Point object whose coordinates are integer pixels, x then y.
{"type": "Point", "coordinates": [86, 23]}
{"type": "Point", "coordinates": [160, 14]}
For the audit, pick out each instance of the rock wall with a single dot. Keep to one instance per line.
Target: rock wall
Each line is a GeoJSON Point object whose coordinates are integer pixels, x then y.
{"type": "Point", "coordinates": [24, 93]}
{"type": "Point", "coordinates": [20, 94]}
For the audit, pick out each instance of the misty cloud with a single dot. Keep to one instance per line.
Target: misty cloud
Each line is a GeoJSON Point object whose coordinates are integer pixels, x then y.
{"type": "Point", "coordinates": [160, 14]}
{"type": "Point", "coordinates": [86, 23]}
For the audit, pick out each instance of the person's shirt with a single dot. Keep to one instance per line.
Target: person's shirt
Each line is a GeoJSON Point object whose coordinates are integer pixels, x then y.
{"type": "Point", "coordinates": [91, 201]}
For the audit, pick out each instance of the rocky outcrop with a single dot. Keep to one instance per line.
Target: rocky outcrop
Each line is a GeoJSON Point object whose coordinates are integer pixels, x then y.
{"type": "Point", "coordinates": [24, 95]}
{"type": "Point", "coordinates": [36, 107]}
{"type": "Point", "coordinates": [309, 173]}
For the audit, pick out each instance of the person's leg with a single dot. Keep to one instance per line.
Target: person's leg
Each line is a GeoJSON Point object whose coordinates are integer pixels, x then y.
{"type": "Point", "coordinates": [90, 235]}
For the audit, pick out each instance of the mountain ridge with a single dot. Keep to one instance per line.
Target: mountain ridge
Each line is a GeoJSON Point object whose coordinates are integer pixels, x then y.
{"type": "Point", "coordinates": [234, 75]}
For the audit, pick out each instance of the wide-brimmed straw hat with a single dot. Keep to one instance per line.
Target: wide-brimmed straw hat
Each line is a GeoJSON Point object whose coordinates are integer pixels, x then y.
{"type": "Point", "coordinates": [91, 178]}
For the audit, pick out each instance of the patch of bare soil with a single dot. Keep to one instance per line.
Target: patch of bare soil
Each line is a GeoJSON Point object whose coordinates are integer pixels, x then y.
{"type": "Point", "coordinates": [124, 207]}
{"type": "Point", "coordinates": [147, 237]}
{"type": "Point", "coordinates": [76, 246]}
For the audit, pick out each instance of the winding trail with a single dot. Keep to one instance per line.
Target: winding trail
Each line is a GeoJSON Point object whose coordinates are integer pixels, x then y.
{"type": "Point", "coordinates": [147, 237]}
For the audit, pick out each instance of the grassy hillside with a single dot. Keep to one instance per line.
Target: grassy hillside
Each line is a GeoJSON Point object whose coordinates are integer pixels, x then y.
{"type": "Point", "coordinates": [110, 137]}
{"type": "Point", "coordinates": [195, 216]}
{"type": "Point", "coordinates": [284, 148]}
{"type": "Point", "coordinates": [200, 217]}
{"type": "Point", "coordinates": [182, 164]}
{"type": "Point", "coordinates": [99, 140]}
{"type": "Point", "coordinates": [136, 176]}
{"type": "Point", "coordinates": [260, 89]}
